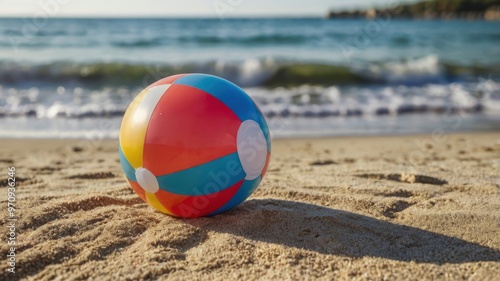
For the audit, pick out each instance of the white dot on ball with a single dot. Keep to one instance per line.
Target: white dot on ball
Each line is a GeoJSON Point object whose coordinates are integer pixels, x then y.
{"type": "Point", "coordinates": [147, 180]}
{"type": "Point", "coordinates": [252, 148]}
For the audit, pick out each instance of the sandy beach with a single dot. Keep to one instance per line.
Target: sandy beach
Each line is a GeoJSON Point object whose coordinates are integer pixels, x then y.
{"type": "Point", "coordinates": [350, 208]}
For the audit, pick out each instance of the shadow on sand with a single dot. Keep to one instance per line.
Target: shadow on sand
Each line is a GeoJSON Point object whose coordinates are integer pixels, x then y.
{"type": "Point", "coordinates": [336, 232]}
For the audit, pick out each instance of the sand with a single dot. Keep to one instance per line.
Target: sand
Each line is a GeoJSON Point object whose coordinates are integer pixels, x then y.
{"type": "Point", "coordinates": [350, 208]}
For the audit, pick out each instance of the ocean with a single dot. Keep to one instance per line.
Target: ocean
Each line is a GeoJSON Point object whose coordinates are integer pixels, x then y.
{"type": "Point", "coordinates": [73, 78]}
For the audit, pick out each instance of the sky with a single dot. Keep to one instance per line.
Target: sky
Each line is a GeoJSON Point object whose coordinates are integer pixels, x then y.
{"type": "Point", "coordinates": [178, 8]}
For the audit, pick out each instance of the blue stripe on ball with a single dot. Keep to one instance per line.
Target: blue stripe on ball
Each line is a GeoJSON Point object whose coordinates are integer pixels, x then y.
{"type": "Point", "coordinates": [206, 178]}
{"type": "Point", "coordinates": [241, 104]}
{"type": "Point", "coordinates": [127, 168]}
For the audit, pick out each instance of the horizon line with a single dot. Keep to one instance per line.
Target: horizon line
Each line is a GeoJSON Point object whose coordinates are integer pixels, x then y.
{"type": "Point", "coordinates": [84, 16]}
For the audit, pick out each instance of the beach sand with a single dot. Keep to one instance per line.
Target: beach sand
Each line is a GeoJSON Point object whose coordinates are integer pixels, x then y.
{"type": "Point", "coordinates": [393, 207]}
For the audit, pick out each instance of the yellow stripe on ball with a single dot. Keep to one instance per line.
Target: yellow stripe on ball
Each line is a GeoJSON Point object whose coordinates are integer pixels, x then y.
{"type": "Point", "coordinates": [153, 201]}
{"type": "Point", "coordinates": [135, 123]}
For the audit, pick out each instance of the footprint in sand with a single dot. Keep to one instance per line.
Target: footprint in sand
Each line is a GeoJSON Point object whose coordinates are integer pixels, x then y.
{"type": "Point", "coordinates": [404, 177]}
{"type": "Point", "coordinates": [398, 193]}
{"type": "Point", "coordinates": [94, 176]}
{"type": "Point", "coordinates": [7, 161]}
{"type": "Point", "coordinates": [47, 170]}
{"type": "Point", "coordinates": [323, 163]}
{"type": "Point", "coordinates": [396, 207]}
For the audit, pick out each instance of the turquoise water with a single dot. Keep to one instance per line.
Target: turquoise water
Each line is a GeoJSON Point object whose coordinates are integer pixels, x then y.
{"type": "Point", "coordinates": [200, 40]}
{"type": "Point", "coordinates": [351, 73]}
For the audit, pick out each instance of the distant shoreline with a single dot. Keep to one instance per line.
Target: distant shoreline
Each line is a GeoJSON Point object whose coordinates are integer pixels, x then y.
{"type": "Point", "coordinates": [429, 10]}
{"type": "Point", "coordinates": [370, 14]}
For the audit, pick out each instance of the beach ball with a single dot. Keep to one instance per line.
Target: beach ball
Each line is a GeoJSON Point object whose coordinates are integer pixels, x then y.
{"type": "Point", "coordinates": [194, 145]}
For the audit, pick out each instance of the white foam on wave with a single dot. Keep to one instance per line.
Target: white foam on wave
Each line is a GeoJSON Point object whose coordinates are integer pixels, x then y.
{"type": "Point", "coordinates": [245, 73]}
{"type": "Point", "coordinates": [307, 101]}
{"type": "Point", "coordinates": [411, 71]}
{"type": "Point", "coordinates": [64, 102]}
{"type": "Point", "coordinates": [377, 100]}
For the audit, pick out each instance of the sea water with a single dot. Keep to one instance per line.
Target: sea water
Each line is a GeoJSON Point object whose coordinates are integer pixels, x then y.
{"type": "Point", "coordinates": [68, 77]}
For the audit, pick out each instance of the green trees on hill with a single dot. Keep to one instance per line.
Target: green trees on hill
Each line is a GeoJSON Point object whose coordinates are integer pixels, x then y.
{"type": "Point", "coordinates": [450, 6]}
{"type": "Point", "coordinates": [448, 9]}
